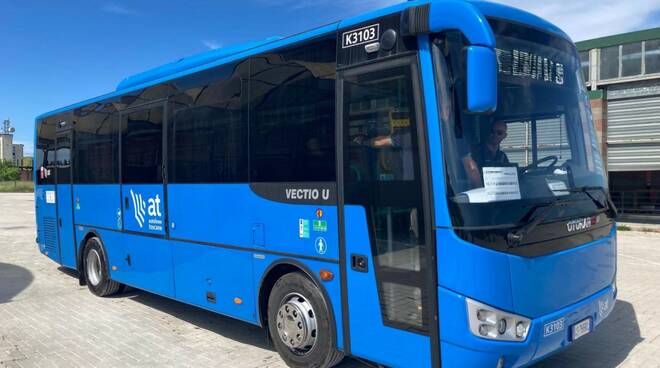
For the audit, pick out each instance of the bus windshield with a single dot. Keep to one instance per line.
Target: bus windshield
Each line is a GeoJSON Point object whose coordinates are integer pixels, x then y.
{"type": "Point", "coordinates": [538, 147]}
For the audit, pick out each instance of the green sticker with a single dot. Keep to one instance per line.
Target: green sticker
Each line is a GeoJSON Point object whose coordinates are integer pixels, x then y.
{"type": "Point", "coordinates": [303, 228]}
{"type": "Point", "coordinates": [320, 225]}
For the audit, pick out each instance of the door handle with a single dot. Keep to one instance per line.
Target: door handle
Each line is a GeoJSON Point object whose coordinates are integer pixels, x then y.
{"type": "Point", "coordinates": [126, 202]}
{"type": "Point", "coordinates": [359, 263]}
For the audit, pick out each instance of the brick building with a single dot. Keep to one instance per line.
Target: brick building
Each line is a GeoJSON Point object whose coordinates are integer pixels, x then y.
{"type": "Point", "coordinates": [622, 73]}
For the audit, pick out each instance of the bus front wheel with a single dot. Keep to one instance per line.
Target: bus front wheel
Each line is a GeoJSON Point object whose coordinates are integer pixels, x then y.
{"type": "Point", "coordinates": [95, 267]}
{"type": "Point", "coordinates": [299, 323]}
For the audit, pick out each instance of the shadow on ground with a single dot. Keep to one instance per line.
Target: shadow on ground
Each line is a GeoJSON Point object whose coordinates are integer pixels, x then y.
{"type": "Point", "coordinates": [613, 339]}
{"type": "Point", "coordinates": [13, 280]}
{"type": "Point", "coordinates": [225, 326]}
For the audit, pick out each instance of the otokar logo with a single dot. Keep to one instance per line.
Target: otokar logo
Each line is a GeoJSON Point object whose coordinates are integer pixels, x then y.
{"type": "Point", "coordinates": [581, 224]}
{"type": "Point", "coordinates": [147, 211]}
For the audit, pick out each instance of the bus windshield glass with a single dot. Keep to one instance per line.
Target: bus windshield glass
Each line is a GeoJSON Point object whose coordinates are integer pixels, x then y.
{"type": "Point", "coordinates": [538, 147]}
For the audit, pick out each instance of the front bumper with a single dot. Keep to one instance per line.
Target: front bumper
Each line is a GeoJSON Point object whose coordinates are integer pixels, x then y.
{"type": "Point", "coordinates": [461, 348]}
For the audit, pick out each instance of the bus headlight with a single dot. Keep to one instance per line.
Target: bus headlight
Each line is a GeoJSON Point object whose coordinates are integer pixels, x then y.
{"type": "Point", "coordinates": [491, 323]}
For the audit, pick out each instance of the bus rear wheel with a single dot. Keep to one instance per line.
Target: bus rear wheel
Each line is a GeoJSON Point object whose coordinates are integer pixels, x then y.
{"type": "Point", "coordinates": [299, 323]}
{"type": "Point", "coordinates": [95, 268]}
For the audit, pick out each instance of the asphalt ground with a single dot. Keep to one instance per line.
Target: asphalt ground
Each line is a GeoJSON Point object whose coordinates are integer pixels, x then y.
{"type": "Point", "coordinates": [48, 320]}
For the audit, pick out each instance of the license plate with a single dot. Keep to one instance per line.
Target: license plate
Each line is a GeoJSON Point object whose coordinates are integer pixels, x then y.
{"type": "Point", "coordinates": [580, 329]}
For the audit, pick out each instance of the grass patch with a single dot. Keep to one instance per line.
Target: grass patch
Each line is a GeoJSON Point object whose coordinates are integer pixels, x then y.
{"type": "Point", "coordinates": [623, 228]}
{"type": "Point", "coordinates": [16, 187]}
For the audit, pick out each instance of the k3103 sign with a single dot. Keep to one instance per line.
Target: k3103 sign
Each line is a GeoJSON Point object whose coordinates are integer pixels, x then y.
{"type": "Point", "coordinates": [360, 36]}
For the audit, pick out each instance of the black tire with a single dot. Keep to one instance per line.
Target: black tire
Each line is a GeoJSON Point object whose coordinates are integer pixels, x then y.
{"type": "Point", "coordinates": [99, 285]}
{"type": "Point", "coordinates": [323, 353]}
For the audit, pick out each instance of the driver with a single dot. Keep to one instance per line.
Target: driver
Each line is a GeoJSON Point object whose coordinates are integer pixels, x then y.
{"type": "Point", "coordinates": [487, 153]}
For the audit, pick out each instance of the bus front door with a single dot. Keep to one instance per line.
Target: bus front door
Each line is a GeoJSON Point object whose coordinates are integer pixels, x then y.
{"type": "Point", "coordinates": [64, 197]}
{"type": "Point", "coordinates": [386, 237]}
{"type": "Point", "coordinates": [142, 170]}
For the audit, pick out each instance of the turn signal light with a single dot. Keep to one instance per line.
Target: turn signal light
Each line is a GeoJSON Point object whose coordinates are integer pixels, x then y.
{"type": "Point", "coordinates": [238, 301]}
{"type": "Point", "coordinates": [326, 275]}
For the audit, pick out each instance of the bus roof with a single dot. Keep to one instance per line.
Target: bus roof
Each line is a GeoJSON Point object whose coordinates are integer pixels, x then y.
{"type": "Point", "coordinates": [213, 58]}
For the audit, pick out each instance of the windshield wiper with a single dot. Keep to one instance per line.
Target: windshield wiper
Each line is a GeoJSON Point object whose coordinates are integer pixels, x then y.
{"type": "Point", "coordinates": [515, 238]}
{"type": "Point", "coordinates": [608, 205]}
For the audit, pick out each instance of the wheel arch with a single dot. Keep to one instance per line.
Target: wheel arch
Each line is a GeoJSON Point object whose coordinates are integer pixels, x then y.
{"type": "Point", "coordinates": [92, 233]}
{"type": "Point", "coordinates": [274, 272]}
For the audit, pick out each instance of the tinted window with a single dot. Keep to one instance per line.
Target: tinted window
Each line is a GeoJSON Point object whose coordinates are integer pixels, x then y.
{"type": "Point", "coordinates": [292, 114]}
{"type": "Point", "coordinates": [96, 147]}
{"type": "Point", "coordinates": [142, 142]}
{"type": "Point", "coordinates": [63, 159]}
{"type": "Point", "coordinates": [609, 62]}
{"type": "Point", "coordinates": [208, 134]}
{"type": "Point", "coordinates": [652, 56]}
{"type": "Point", "coordinates": [631, 59]}
{"type": "Point", "coordinates": [45, 152]}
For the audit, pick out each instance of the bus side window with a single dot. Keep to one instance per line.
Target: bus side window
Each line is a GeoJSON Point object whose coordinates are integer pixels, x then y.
{"type": "Point", "coordinates": [292, 117]}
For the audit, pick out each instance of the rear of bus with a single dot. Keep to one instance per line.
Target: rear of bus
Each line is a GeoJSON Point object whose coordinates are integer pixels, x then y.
{"type": "Point", "coordinates": [528, 264]}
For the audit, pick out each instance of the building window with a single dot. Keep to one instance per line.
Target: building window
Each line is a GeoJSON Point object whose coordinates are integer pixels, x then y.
{"type": "Point", "coordinates": [631, 59]}
{"type": "Point", "coordinates": [609, 62]}
{"type": "Point", "coordinates": [584, 65]}
{"type": "Point", "coordinates": [652, 56]}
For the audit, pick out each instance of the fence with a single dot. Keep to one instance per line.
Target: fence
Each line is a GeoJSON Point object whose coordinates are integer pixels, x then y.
{"type": "Point", "coordinates": [637, 202]}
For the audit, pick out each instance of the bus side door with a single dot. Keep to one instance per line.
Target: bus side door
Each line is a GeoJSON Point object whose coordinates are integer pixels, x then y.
{"type": "Point", "coordinates": [385, 214]}
{"type": "Point", "coordinates": [148, 258]}
{"type": "Point", "coordinates": [63, 165]}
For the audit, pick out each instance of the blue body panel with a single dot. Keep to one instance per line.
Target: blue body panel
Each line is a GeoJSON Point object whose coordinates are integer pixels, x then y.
{"type": "Point", "coordinates": [560, 279]}
{"type": "Point", "coordinates": [140, 261]}
{"type": "Point", "coordinates": [473, 271]}
{"type": "Point", "coordinates": [222, 260]}
{"type": "Point", "coordinates": [527, 286]}
{"type": "Point", "coordinates": [65, 213]}
{"type": "Point", "coordinates": [98, 205]}
{"type": "Point", "coordinates": [200, 269]}
{"type": "Point", "coordinates": [46, 216]}
{"type": "Point", "coordinates": [227, 214]}
{"type": "Point", "coordinates": [370, 338]}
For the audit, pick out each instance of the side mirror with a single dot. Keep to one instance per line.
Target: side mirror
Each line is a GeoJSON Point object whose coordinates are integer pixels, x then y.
{"type": "Point", "coordinates": [481, 79]}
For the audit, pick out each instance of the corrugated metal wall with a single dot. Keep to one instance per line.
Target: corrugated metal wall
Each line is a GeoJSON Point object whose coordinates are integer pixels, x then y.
{"type": "Point", "coordinates": [633, 134]}
{"type": "Point", "coordinates": [551, 141]}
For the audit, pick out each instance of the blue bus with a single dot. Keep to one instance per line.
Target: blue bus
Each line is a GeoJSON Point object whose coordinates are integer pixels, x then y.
{"type": "Point", "coordinates": [419, 186]}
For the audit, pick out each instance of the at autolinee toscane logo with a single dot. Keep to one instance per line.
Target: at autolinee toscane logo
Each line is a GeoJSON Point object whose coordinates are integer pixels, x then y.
{"type": "Point", "coordinates": [139, 208]}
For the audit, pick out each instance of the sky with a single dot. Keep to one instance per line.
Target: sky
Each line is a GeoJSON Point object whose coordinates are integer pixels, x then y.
{"type": "Point", "coordinates": [55, 53]}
